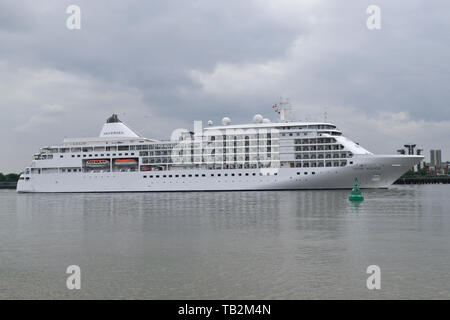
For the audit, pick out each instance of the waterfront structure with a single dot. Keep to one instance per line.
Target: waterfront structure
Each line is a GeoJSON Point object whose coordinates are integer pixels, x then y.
{"type": "Point", "coordinates": [410, 149]}
{"type": "Point", "coordinates": [421, 164]}
{"type": "Point", "coordinates": [263, 155]}
{"type": "Point", "coordinates": [435, 159]}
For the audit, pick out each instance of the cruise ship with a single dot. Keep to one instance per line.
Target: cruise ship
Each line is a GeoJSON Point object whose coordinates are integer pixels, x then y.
{"type": "Point", "coordinates": [261, 155]}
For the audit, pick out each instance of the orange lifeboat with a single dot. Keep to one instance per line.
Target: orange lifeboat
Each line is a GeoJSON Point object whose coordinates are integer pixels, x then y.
{"type": "Point", "coordinates": [97, 162]}
{"type": "Point", "coordinates": [125, 162]}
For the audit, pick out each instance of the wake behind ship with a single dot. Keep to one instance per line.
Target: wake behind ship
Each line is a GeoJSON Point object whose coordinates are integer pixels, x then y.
{"type": "Point", "coordinates": [263, 155]}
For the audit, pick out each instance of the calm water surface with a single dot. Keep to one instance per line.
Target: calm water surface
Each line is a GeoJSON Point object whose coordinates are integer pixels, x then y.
{"type": "Point", "coordinates": [240, 245]}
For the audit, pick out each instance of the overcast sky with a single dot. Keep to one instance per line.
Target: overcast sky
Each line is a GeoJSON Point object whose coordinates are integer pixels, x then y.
{"type": "Point", "coordinates": [163, 64]}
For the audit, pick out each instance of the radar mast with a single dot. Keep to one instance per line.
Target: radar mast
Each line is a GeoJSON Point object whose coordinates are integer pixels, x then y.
{"type": "Point", "coordinates": [285, 111]}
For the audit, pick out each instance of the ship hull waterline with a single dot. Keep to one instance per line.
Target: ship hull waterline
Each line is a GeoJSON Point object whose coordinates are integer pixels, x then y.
{"type": "Point", "coordinates": [374, 172]}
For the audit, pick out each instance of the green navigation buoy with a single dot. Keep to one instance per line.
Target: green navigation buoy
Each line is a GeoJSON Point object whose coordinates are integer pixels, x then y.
{"type": "Point", "coordinates": [356, 194]}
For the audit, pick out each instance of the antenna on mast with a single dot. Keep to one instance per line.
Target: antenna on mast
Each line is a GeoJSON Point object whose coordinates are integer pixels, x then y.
{"type": "Point", "coordinates": [285, 110]}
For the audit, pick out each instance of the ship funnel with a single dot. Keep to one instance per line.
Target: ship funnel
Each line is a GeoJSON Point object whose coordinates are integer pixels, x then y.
{"type": "Point", "coordinates": [114, 128]}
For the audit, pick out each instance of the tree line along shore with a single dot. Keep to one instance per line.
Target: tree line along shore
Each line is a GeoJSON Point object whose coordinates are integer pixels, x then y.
{"type": "Point", "coordinates": [10, 177]}
{"type": "Point", "coordinates": [8, 181]}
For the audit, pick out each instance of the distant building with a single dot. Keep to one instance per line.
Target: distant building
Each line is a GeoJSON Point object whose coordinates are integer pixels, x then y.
{"type": "Point", "coordinates": [435, 159]}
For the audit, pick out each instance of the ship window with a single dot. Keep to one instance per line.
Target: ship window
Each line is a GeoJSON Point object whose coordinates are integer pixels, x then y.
{"type": "Point", "coordinates": [313, 172]}
{"type": "Point", "coordinates": [298, 173]}
{"type": "Point", "coordinates": [183, 175]}
{"type": "Point", "coordinates": [254, 174]}
{"type": "Point", "coordinates": [306, 172]}
{"type": "Point", "coordinates": [73, 156]}
{"type": "Point", "coordinates": [218, 174]}
{"type": "Point", "coordinates": [246, 174]}
{"type": "Point", "coordinates": [164, 176]}
{"type": "Point", "coordinates": [212, 175]}
{"type": "Point", "coordinates": [170, 176]}
{"type": "Point", "coordinates": [196, 175]}
{"type": "Point", "coordinates": [145, 176]}
{"type": "Point", "coordinates": [157, 176]}
{"type": "Point", "coordinates": [190, 175]}
{"type": "Point", "coordinates": [203, 175]}
{"type": "Point", "coordinates": [240, 174]}
{"type": "Point", "coordinates": [176, 176]}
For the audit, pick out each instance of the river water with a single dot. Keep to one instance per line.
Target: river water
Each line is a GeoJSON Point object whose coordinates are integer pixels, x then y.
{"type": "Point", "coordinates": [226, 245]}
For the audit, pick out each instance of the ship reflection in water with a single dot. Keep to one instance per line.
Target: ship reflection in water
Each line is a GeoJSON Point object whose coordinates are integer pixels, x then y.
{"type": "Point", "coordinates": [240, 245]}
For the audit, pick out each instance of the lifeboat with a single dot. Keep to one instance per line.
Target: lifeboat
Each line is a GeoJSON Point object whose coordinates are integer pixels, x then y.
{"type": "Point", "coordinates": [97, 163]}
{"type": "Point", "coordinates": [125, 162]}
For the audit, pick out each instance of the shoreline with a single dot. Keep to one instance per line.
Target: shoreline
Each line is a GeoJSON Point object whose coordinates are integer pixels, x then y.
{"type": "Point", "coordinates": [423, 180]}
{"type": "Point", "coordinates": [8, 185]}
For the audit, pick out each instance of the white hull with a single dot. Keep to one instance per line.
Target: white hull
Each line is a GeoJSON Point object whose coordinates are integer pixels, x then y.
{"type": "Point", "coordinates": [372, 171]}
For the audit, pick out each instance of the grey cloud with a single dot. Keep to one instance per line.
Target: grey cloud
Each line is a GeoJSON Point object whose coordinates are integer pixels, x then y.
{"type": "Point", "coordinates": [142, 54]}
